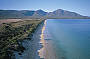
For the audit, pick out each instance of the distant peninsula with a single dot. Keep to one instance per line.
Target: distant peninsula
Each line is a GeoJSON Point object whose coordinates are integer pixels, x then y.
{"type": "Point", "coordinates": [57, 14]}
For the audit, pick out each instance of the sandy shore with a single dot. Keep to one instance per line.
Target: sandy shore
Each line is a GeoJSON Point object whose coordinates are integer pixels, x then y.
{"type": "Point", "coordinates": [47, 51]}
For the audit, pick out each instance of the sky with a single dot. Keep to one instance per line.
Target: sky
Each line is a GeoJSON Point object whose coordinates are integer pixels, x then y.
{"type": "Point", "coordinates": [79, 6]}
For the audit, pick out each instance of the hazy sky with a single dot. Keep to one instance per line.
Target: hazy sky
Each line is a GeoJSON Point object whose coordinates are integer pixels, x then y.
{"type": "Point", "coordinates": [80, 6]}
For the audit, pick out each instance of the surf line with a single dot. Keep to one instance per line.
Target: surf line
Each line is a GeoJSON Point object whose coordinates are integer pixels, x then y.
{"type": "Point", "coordinates": [42, 41]}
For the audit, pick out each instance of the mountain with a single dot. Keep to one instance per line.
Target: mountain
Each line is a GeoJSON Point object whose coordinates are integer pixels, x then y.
{"type": "Point", "coordinates": [63, 14]}
{"type": "Point", "coordinates": [39, 13]}
{"type": "Point", "coordinates": [28, 13]}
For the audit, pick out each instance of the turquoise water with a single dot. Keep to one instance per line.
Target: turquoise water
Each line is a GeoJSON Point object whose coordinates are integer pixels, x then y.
{"type": "Point", "coordinates": [70, 37]}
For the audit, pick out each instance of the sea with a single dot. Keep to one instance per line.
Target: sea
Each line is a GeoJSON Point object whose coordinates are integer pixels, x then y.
{"type": "Point", "coordinates": [70, 38]}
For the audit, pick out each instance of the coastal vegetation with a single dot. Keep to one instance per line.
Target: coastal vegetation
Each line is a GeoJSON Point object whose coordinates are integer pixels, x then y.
{"type": "Point", "coordinates": [12, 34]}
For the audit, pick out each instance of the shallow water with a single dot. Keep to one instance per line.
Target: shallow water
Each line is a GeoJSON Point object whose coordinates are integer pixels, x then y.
{"type": "Point", "coordinates": [70, 37]}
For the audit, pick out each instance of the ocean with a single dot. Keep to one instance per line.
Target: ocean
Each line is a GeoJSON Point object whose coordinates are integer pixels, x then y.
{"type": "Point", "coordinates": [70, 38]}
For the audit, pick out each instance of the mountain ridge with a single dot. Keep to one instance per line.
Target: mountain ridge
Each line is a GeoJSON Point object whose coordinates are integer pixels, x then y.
{"type": "Point", "coordinates": [59, 13]}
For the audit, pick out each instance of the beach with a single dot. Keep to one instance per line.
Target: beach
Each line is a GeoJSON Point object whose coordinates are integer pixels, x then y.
{"type": "Point", "coordinates": [47, 51]}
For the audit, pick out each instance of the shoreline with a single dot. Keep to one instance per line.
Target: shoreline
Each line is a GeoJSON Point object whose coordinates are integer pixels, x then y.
{"type": "Point", "coordinates": [47, 51]}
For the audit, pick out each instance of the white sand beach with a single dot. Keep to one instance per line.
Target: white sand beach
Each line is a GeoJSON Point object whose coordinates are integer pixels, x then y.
{"type": "Point", "coordinates": [47, 51]}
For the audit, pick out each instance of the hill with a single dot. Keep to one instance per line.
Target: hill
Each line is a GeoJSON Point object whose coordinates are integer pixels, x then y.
{"type": "Point", "coordinates": [4, 14]}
